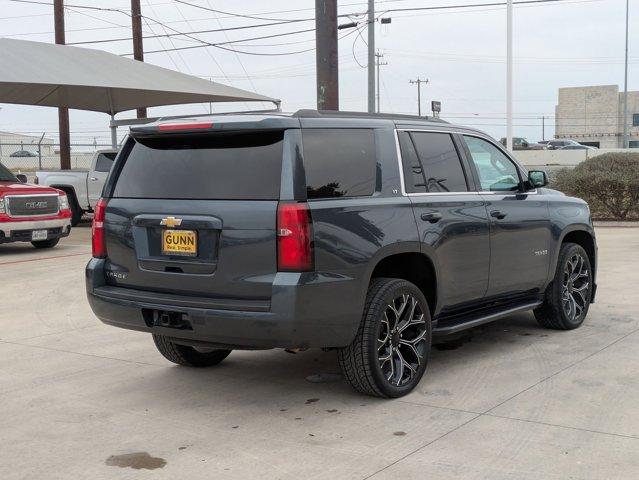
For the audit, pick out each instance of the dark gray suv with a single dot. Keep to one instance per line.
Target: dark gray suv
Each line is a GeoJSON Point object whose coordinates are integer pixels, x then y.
{"type": "Point", "coordinates": [365, 234]}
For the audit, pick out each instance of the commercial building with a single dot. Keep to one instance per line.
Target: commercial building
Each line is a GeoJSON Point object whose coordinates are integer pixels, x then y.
{"type": "Point", "coordinates": [14, 142]}
{"type": "Point", "coordinates": [594, 116]}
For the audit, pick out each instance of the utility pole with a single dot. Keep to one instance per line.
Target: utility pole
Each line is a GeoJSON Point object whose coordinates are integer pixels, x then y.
{"type": "Point", "coordinates": [63, 112]}
{"type": "Point", "coordinates": [509, 75]}
{"type": "Point", "coordinates": [138, 48]}
{"type": "Point", "coordinates": [419, 93]}
{"type": "Point", "coordinates": [326, 54]}
{"type": "Point", "coordinates": [371, 56]}
{"type": "Point", "coordinates": [379, 63]}
{"type": "Point", "coordinates": [625, 86]}
{"type": "Point", "coordinates": [543, 128]}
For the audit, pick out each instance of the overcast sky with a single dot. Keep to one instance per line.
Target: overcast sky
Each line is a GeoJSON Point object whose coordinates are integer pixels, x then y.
{"type": "Point", "coordinates": [461, 52]}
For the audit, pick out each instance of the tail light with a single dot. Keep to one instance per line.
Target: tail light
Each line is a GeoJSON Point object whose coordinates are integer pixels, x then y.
{"type": "Point", "coordinates": [294, 238]}
{"type": "Point", "coordinates": [97, 230]}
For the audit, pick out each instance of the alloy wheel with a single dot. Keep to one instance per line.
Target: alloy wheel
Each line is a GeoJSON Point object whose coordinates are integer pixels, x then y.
{"type": "Point", "coordinates": [402, 340]}
{"type": "Point", "coordinates": [575, 287]}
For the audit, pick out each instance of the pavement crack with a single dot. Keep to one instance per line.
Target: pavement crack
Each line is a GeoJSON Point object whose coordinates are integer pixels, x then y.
{"type": "Point", "coordinates": [51, 333]}
{"type": "Point", "coordinates": [567, 367]}
{"type": "Point", "coordinates": [556, 425]}
{"type": "Point", "coordinates": [423, 446]}
{"type": "Point", "coordinates": [78, 353]}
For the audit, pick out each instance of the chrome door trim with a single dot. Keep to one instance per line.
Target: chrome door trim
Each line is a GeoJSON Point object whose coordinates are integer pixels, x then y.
{"type": "Point", "coordinates": [400, 164]}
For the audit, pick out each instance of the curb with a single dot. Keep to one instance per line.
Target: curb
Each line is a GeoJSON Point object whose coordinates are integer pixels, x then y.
{"type": "Point", "coordinates": [616, 224]}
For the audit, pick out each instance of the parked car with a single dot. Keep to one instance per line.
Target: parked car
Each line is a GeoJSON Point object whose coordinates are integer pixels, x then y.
{"type": "Point", "coordinates": [22, 153]}
{"type": "Point", "coordinates": [557, 144]}
{"type": "Point", "coordinates": [83, 187]}
{"type": "Point", "coordinates": [577, 147]}
{"type": "Point", "coordinates": [367, 234]}
{"type": "Point", "coordinates": [520, 143]}
{"type": "Point", "coordinates": [31, 213]}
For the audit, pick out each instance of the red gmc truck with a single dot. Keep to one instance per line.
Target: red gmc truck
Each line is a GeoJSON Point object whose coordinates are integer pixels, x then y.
{"type": "Point", "coordinates": [32, 213]}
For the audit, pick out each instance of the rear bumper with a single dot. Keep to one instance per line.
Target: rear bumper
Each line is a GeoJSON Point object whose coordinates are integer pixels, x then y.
{"type": "Point", "coordinates": [20, 231]}
{"type": "Point", "coordinates": [305, 310]}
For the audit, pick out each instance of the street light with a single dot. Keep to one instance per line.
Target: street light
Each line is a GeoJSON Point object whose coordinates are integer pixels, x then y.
{"type": "Point", "coordinates": [509, 75]}
{"type": "Point", "coordinates": [625, 88]}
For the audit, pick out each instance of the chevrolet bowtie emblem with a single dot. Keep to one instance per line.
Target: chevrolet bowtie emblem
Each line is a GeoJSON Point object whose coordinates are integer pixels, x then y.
{"type": "Point", "coordinates": [171, 222]}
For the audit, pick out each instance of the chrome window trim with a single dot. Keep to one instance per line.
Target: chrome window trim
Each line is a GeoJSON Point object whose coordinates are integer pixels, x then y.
{"type": "Point", "coordinates": [400, 164]}
{"type": "Point", "coordinates": [8, 204]}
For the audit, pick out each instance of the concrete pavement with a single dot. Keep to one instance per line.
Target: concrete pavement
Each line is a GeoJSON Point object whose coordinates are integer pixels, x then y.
{"type": "Point", "coordinates": [508, 401]}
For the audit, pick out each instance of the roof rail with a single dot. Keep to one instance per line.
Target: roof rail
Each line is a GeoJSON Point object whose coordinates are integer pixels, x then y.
{"type": "Point", "coordinates": [142, 121]}
{"type": "Point", "coordinates": [308, 113]}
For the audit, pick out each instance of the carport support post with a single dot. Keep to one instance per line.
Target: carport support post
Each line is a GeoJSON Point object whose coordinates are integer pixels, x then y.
{"type": "Point", "coordinates": [114, 132]}
{"type": "Point", "coordinates": [63, 112]}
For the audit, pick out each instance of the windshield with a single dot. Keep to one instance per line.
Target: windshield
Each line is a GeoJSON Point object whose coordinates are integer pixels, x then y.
{"type": "Point", "coordinates": [6, 175]}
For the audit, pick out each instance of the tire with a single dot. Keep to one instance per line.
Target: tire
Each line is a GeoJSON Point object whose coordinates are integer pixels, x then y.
{"type": "Point", "coordinates": [46, 243]}
{"type": "Point", "coordinates": [380, 361]}
{"type": "Point", "coordinates": [565, 306]}
{"type": "Point", "coordinates": [188, 356]}
{"type": "Point", "coordinates": [76, 211]}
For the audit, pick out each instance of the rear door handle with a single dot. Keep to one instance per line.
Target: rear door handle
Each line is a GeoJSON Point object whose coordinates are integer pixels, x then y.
{"type": "Point", "coordinates": [93, 179]}
{"type": "Point", "coordinates": [432, 217]}
{"type": "Point", "coordinates": [497, 214]}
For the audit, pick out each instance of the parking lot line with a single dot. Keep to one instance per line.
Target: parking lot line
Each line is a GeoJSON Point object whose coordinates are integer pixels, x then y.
{"type": "Point", "coordinates": [44, 258]}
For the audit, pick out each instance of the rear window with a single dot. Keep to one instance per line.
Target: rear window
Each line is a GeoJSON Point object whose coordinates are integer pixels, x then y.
{"type": "Point", "coordinates": [104, 161]}
{"type": "Point", "coordinates": [440, 162]}
{"type": "Point", "coordinates": [339, 162]}
{"type": "Point", "coordinates": [203, 167]}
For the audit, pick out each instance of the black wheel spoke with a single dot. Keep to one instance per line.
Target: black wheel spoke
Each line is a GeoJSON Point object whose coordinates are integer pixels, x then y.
{"type": "Point", "coordinates": [575, 287]}
{"type": "Point", "coordinates": [400, 344]}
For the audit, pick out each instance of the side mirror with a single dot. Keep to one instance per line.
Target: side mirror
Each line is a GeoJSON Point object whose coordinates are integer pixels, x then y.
{"type": "Point", "coordinates": [537, 178]}
{"type": "Point", "coordinates": [22, 178]}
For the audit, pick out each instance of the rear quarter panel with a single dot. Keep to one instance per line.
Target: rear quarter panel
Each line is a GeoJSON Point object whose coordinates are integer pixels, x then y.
{"type": "Point", "coordinates": [353, 234]}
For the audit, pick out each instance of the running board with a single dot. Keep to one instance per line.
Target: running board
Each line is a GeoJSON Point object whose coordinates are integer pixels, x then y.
{"type": "Point", "coordinates": [476, 320]}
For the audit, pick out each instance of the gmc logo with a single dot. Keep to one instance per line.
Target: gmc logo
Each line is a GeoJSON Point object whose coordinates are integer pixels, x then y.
{"type": "Point", "coordinates": [35, 205]}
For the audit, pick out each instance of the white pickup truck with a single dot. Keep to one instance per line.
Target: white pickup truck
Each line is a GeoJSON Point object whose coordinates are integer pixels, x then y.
{"type": "Point", "coordinates": [83, 187]}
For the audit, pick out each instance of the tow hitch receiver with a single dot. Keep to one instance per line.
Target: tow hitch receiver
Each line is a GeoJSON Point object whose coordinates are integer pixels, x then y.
{"type": "Point", "coordinates": [166, 319]}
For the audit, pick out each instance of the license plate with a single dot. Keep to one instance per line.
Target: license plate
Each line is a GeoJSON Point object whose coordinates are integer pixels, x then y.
{"type": "Point", "coordinates": [38, 235]}
{"type": "Point", "coordinates": [179, 242]}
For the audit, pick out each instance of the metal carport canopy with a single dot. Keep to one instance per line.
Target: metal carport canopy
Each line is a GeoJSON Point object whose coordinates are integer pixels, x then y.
{"type": "Point", "coordinates": [36, 73]}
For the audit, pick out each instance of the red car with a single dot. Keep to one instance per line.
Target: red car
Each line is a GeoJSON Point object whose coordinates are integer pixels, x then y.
{"type": "Point", "coordinates": [31, 213]}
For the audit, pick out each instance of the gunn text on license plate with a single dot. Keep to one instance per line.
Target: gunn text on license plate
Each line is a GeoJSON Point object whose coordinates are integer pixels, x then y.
{"type": "Point", "coordinates": [179, 242]}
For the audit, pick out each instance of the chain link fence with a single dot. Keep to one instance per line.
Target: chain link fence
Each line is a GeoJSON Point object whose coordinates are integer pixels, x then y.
{"type": "Point", "coordinates": [29, 157]}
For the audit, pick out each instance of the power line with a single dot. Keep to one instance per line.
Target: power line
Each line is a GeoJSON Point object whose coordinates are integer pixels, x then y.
{"type": "Point", "coordinates": [169, 36]}
{"type": "Point", "coordinates": [212, 57]}
{"type": "Point", "coordinates": [237, 56]}
{"type": "Point", "coordinates": [219, 45]}
{"type": "Point", "coordinates": [178, 33]}
{"type": "Point", "coordinates": [204, 19]}
{"type": "Point", "coordinates": [275, 23]}
{"type": "Point", "coordinates": [88, 7]}
{"type": "Point", "coordinates": [252, 17]}
{"type": "Point", "coordinates": [473, 5]}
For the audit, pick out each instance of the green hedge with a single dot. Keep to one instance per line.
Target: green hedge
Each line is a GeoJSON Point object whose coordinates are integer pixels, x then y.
{"type": "Point", "coordinates": [608, 182]}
